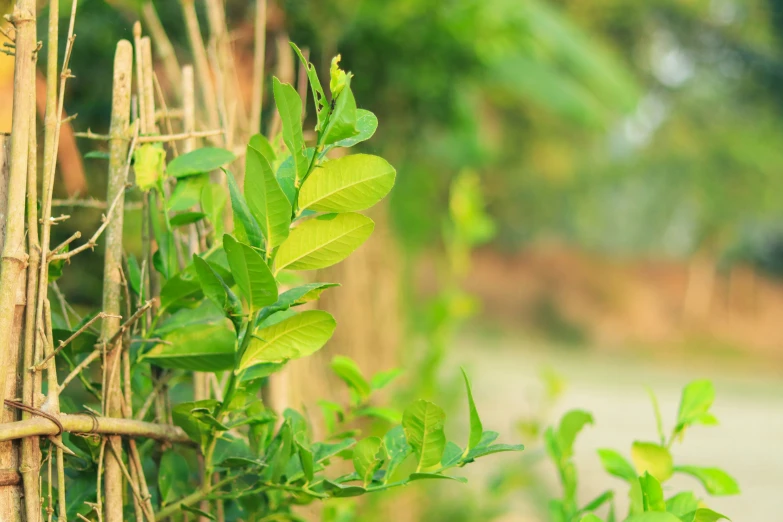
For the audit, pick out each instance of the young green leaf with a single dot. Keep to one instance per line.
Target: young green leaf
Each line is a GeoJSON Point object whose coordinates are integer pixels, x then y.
{"type": "Point", "coordinates": [451, 455]}
{"type": "Point", "coordinates": [251, 274]}
{"type": "Point", "coordinates": [570, 426]}
{"type": "Point", "coordinates": [658, 419]}
{"type": "Point", "coordinates": [289, 106]}
{"type": "Point", "coordinates": [704, 515]}
{"type": "Point", "coordinates": [382, 379]}
{"type": "Point", "coordinates": [476, 429]}
{"type": "Point", "coordinates": [716, 481]}
{"type": "Point", "coordinates": [348, 371]}
{"type": "Point", "coordinates": [265, 199]}
{"type": "Point", "coordinates": [301, 294]}
{"type": "Point", "coordinates": [149, 162]}
{"type": "Point", "coordinates": [291, 338]}
{"type": "Point", "coordinates": [598, 501]}
{"type": "Point", "coordinates": [423, 423]}
{"type": "Point", "coordinates": [390, 415]}
{"type": "Point", "coordinates": [218, 291]}
{"type": "Point", "coordinates": [323, 451]}
{"type": "Point", "coordinates": [199, 161]}
{"type": "Point", "coordinates": [367, 458]}
{"type": "Point", "coordinates": [347, 184]}
{"type": "Point", "coordinates": [187, 193]}
{"type": "Point", "coordinates": [262, 145]}
{"type": "Point", "coordinates": [697, 397]}
{"type": "Point", "coordinates": [342, 490]}
{"type": "Point", "coordinates": [682, 503]}
{"type": "Point", "coordinates": [323, 241]}
{"type": "Point", "coordinates": [319, 98]}
{"type": "Point", "coordinates": [615, 464]}
{"type": "Point", "coordinates": [652, 458]}
{"type": "Point", "coordinates": [653, 516]}
{"type": "Point", "coordinates": [482, 451]}
{"type": "Point", "coordinates": [366, 124]}
{"type": "Point", "coordinates": [428, 476]}
{"type": "Point", "coordinates": [246, 227]}
{"type": "Point", "coordinates": [652, 493]}
{"type": "Point", "coordinates": [342, 120]}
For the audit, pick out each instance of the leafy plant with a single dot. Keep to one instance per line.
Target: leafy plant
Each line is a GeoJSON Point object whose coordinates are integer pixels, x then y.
{"type": "Point", "coordinates": [651, 466]}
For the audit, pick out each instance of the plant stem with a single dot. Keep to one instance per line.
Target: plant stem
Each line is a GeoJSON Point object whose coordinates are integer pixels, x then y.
{"type": "Point", "coordinates": [118, 149]}
{"type": "Point", "coordinates": [191, 499]}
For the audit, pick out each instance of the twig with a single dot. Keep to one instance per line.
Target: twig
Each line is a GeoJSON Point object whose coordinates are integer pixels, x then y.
{"type": "Point", "coordinates": [134, 488]}
{"type": "Point", "coordinates": [93, 240]}
{"type": "Point", "coordinates": [162, 101]}
{"type": "Point", "coordinates": [151, 397]}
{"type": "Point", "coordinates": [40, 366]}
{"type": "Point", "coordinates": [79, 367]}
{"type": "Point", "coordinates": [76, 235]}
{"type": "Point", "coordinates": [180, 136]}
{"type": "Point", "coordinates": [91, 203]}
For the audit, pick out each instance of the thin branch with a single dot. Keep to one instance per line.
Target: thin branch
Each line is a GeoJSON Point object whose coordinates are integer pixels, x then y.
{"type": "Point", "coordinates": [79, 367]}
{"type": "Point", "coordinates": [134, 488]}
{"type": "Point", "coordinates": [162, 101]}
{"type": "Point", "coordinates": [91, 203]}
{"type": "Point", "coordinates": [93, 240]}
{"type": "Point", "coordinates": [180, 136]}
{"type": "Point", "coordinates": [151, 397]}
{"type": "Point", "coordinates": [40, 366]}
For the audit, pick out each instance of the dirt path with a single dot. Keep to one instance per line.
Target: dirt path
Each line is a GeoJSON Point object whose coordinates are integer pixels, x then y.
{"type": "Point", "coordinates": [748, 443]}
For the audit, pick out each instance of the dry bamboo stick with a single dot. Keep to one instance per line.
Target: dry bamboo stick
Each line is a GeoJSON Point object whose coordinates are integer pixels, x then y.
{"type": "Point", "coordinates": [163, 48]}
{"type": "Point", "coordinates": [121, 92]}
{"type": "Point", "coordinates": [259, 56]}
{"type": "Point", "coordinates": [201, 64]}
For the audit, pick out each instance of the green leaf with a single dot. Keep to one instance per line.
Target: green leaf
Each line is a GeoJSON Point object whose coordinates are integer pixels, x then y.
{"type": "Point", "coordinates": [134, 274]}
{"type": "Point", "coordinates": [186, 218]}
{"type": "Point", "coordinates": [195, 428]}
{"type": "Point", "coordinates": [149, 161]}
{"type": "Point", "coordinates": [716, 481]}
{"type": "Point", "coordinates": [590, 518]}
{"type": "Point", "coordinates": [426, 476]}
{"type": "Point", "coordinates": [218, 292]}
{"type": "Point", "coordinates": [199, 161]}
{"type": "Point", "coordinates": [251, 273]}
{"type": "Point", "coordinates": [300, 295]}
{"type": "Point", "coordinates": [482, 451]}
{"type": "Point", "coordinates": [697, 397]}
{"type": "Point", "coordinates": [338, 79]}
{"type": "Point", "coordinates": [213, 201]}
{"type": "Point", "coordinates": [246, 227]}
{"type": "Point", "coordinates": [476, 429]}
{"type": "Point", "coordinates": [366, 124]}
{"type": "Point", "coordinates": [292, 338]}
{"type": "Point", "coordinates": [397, 448]}
{"type": "Point", "coordinates": [347, 184]}
{"type": "Point", "coordinates": [348, 371]}
{"type": "Point", "coordinates": [367, 458]}
{"type": "Point", "coordinates": [265, 199]}
{"type": "Point", "coordinates": [390, 415]}
{"type": "Point", "coordinates": [97, 154]}
{"type": "Point", "coordinates": [382, 379]}
{"type": "Point", "coordinates": [682, 503]}
{"type": "Point", "coordinates": [200, 340]}
{"type": "Point", "coordinates": [658, 419]}
{"type": "Point", "coordinates": [289, 106]}
{"type": "Point", "coordinates": [704, 515]}
{"type": "Point", "coordinates": [570, 426]}
{"type": "Point", "coordinates": [451, 455]}
{"type": "Point", "coordinates": [197, 511]}
{"type": "Point", "coordinates": [615, 464]}
{"type": "Point", "coordinates": [323, 451]}
{"type": "Point", "coordinates": [342, 120]}
{"type": "Point", "coordinates": [323, 241]}
{"type": "Point", "coordinates": [423, 423]}
{"type": "Point", "coordinates": [343, 491]}
{"type": "Point", "coordinates": [187, 193]}
{"type": "Point", "coordinates": [652, 458]}
{"type": "Point", "coordinates": [262, 145]}
{"type": "Point", "coordinates": [652, 494]}
{"type": "Point", "coordinates": [598, 501]}
{"type": "Point", "coordinates": [653, 516]}
{"type": "Point", "coordinates": [319, 98]}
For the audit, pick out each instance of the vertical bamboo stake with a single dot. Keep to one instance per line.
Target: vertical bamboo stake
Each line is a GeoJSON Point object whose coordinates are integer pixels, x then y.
{"type": "Point", "coordinates": [259, 56]}
{"type": "Point", "coordinates": [188, 107]}
{"type": "Point", "coordinates": [14, 259]}
{"type": "Point", "coordinates": [147, 93]}
{"type": "Point", "coordinates": [5, 163]}
{"type": "Point", "coordinates": [201, 64]}
{"type": "Point", "coordinates": [112, 276]}
{"type": "Point", "coordinates": [31, 450]}
{"type": "Point", "coordinates": [163, 48]}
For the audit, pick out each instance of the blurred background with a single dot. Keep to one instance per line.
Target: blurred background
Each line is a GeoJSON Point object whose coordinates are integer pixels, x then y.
{"type": "Point", "coordinates": [589, 201]}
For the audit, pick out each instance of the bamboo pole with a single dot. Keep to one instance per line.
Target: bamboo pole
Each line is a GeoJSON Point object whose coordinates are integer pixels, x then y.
{"type": "Point", "coordinates": [86, 424]}
{"type": "Point", "coordinates": [31, 383]}
{"type": "Point", "coordinates": [14, 258]}
{"type": "Point", "coordinates": [201, 64]}
{"type": "Point", "coordinates": [259, 56]}
{"type": "Point", "coordinates": [112, 277]}
{"type": "Point", "coordinates": [163, 48]}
